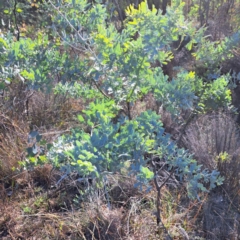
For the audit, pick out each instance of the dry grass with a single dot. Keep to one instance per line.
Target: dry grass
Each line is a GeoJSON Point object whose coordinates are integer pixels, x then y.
{"type": "Point", "coordinates": [51, 111]}
{"type": "Point", "coordinates": [13, 143]}
{"type": "Point", "coordinates": [220, 218]}
{"type": "Point", "coordinates": [214, 140]}
{"type": "Point", "coordinates": [211, 135]}
{"type": "Point", "coordinates": [32, 213]}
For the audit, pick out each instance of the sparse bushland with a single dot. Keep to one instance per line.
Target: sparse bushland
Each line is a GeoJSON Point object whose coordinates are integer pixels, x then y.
{"type": "Point", "coordinates": [107, 132]}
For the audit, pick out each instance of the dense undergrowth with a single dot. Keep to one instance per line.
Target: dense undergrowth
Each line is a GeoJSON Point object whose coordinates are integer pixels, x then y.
{"type": "Point", "coordinates": [119, 121]}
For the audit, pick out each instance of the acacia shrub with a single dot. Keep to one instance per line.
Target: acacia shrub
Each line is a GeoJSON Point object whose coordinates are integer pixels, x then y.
{"type": "Point", "coordinates": [115, 73]}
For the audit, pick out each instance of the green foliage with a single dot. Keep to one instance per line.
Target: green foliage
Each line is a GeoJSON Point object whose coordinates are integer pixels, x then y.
{"type": "Point", "coordinates": [36, 152]}
{"type": "Point", "coordinates": [211, 54]}
{"type": "Point", "coordinates": [188, 91]}
{"type": "Point", "coordinates": [103, 107]}
{"type": "Point", "coordinates": [107, 148]}
{"type": "Point", "coordinates": [85, 56]}
{"type": "Point", "coordinates": [193, 11]}
{"type": "Point", "coordinates": [27, 209]}
{"type": "Point", "coordinates": [223, 157]}
{"type": "Point", "coordinates": [32, 61]}
{"type": "Point", "coordinates": [216, 94]}
{"type": "Point", "coordinates": [108, 63]}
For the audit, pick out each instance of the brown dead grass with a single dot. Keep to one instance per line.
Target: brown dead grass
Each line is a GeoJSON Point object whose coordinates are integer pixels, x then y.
{"type": "Point", "coordinates": [13, 143]}
{"type": "Point", "coordinates": [214, 140]}
{"type": "Point", "coordinates": [51, 111]}
{"type": "Point", "coordinates": [32, 212]}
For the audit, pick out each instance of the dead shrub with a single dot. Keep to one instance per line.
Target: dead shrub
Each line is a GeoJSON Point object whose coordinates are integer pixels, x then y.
{"type": "Point", "coordinates": [43, 175]}
{"type": "Point", "coordinates": [38, 108]}
{"type": "Point", "coordinates": [210, 135]}
{"type": "Point", "coordinates": [50, 110]}
{"type": "Point", "coordinates": [121, 190]}
{"type": "Point", "coordinates": [13, 143]}
{"type": "Point", "coordinates": [220, 218]}
{"type": "Point", "coordinates": [173, 124]}
{"type": "Point", "coordinates": [214, 140]}
{"type": "Point", "coordinates": [104, 224]}
{"type": "Point", "coordinates": [14, 100]}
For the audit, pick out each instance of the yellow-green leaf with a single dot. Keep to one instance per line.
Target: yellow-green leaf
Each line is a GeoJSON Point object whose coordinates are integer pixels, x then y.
{"type": "Point", "coordinates": [147, 173]}
{"type": "Point", "coordinates": [80, 118]}
{"type": "Point", "coordinates": [3, 42]}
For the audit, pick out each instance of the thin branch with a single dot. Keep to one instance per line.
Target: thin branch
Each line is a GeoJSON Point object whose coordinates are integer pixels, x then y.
{"type": "Point", "coordinates": [99, 89]}
{"type": "Point", "coordinates": [165, 181]}
{"type": "Point", "coordinates": [15, 20]}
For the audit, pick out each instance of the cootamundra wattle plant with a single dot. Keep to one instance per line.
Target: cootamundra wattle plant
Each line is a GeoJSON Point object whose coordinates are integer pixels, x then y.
{"type": "Point", "coordinates": [112, 70]}
{"type": "Point", "coordinates": [109, 146]}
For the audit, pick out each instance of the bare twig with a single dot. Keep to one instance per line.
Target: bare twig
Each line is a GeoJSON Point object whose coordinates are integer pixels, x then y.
{"type": "Point", "coordinates": [15, 20]}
